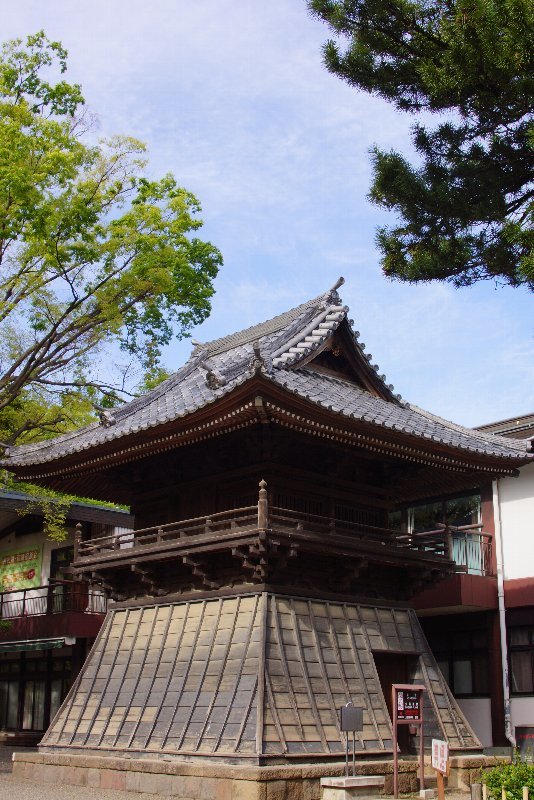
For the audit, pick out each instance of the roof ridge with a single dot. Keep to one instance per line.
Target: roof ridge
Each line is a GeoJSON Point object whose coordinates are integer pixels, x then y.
{"type": "Point", "coordinates": [269, 326]}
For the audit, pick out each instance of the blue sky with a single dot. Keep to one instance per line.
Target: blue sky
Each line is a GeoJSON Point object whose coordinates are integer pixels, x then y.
{"type": "Point", "coordinates": [233, 99]}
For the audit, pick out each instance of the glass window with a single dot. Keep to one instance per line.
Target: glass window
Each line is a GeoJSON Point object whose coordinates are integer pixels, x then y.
{"type": "Point", "coordinates": [34, 699]}
{"type": "Point", "coordinates": [469, 548]}
{"type": "Point", "coordinates": [9, 696]}
{"type": "Point", "coordinates": [425, 518]}
{"type": "Point", "coordinates": [521, 663]}
{"type": "Point", "coordinates": [520, 641]}
{"type": "Point", "coordinates": [519, 636]}
{"type": "Point", "coordinates": [463, 676]}
{"type": "Point", "coordinates": [462, 659]}
{"type": "Point", "coordinates": [456, 512]}
{"type": "Point", "coordinates": [463, 511]}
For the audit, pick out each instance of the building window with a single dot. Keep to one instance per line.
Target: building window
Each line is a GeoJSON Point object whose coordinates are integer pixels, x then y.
{"type": "Point", "coordinates": [521, 647]}
{"type": "Point", "coordinates": [456, 512]}
{"type": "Point", "coordinates": [462, 657]}
{"type": "Point", "coordinates": [470, 548]}
{"type": "Point", "coordinates": [32, 688]}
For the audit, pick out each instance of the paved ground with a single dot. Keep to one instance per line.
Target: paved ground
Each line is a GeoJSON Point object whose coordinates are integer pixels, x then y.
{"type": "Point", "coordinates": [14, 789]}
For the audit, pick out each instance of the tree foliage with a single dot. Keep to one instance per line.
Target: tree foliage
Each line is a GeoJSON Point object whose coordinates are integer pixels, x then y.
{"type": "Point", "coordinates": [465, 211]}
{"type": "Point", "coordinates": [92, 250]}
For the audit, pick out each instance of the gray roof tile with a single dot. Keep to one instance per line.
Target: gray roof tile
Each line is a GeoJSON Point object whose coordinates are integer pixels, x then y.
{"type": "Point", "coordinates": [216, 368]}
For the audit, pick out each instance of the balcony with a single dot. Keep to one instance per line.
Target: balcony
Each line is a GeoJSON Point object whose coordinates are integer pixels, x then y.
{"type": "Point", "coordinates": [473, 586]}
{"type": "Point", "coordinates": [466, 545]}
{"type": "Point", "coordinates": [264, 544]}
{"type": "Point", "coordinates": [62, 608]}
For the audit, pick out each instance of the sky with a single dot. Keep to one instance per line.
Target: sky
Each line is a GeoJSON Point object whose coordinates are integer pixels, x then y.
{"type": "Point", "coordinates": [233, 99]}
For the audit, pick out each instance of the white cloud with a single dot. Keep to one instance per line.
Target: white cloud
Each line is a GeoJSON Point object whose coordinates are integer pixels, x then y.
{"type": "Point", "coordinates": [231, 96]}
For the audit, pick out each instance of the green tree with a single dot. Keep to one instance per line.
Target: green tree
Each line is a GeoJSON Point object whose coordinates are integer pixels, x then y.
{"type": "Point", "coordinates": [465, 211]}
{"type": "Point", "coordinates": [93, 252]}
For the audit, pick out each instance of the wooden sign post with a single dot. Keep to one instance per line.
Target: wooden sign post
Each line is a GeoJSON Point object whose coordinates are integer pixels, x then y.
{"type": "Point", "coordinates": [440, 762]}
{"type": "Point", "coordinates": [407, 704]}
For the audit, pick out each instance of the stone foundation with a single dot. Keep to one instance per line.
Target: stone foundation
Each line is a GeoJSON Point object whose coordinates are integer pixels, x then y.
{"type": "Point", "coordinates": [205, 780]}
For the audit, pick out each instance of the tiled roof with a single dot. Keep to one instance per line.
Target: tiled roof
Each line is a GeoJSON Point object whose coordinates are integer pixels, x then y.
{"type": "Point", "coordinates": [279, 349]}
{"type": "Point", "coordinates": [344, 398]}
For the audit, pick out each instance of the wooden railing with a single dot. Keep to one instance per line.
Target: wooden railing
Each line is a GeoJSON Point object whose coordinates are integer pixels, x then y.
{"type": "Point", "coordinates": [466, 546]}
{"type": "Point", "coordinates": [236, 519]}
{"type": "Point", "coordinates": [55, 598]}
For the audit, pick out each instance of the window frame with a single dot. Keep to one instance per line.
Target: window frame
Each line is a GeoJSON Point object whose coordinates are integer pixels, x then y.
{"type": "Point", "coordinates": [521, 648]}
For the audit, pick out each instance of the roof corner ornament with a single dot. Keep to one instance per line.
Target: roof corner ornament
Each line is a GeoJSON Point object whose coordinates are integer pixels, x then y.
{"type": "Point", "coordinates": [332, 295]}
{"type": "Point", "coordinates": [214, 379]}
{"type": "Point", "coordinates": [6, 447]}
{"type": "Point", "coordinates": [257, 363]}
{"type": "Point", "coordinates": [105, 416]}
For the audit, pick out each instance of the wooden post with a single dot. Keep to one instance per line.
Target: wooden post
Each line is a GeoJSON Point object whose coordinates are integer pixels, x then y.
{"type": "Point", "coordinates": [441, 786]}
{"type": "Point", "coordinates": [395, 744]}
{"type": "Point", "coordinates": [484, 792]}
{"type": "Point", "coordinates": [77, 540]}
{"type": "Point", "coordinates": [476, 790]}
{"type": "Point", "coordinates": [525, 792]}
{"type": "Point", "coordinates": [448, 536]}
{"type": "Point", "coordinates": [263, 507]}
{"type": "Point", "coordinates": [503, 793]}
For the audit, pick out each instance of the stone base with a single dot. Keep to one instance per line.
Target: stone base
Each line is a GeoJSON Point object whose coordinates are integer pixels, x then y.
{"type": "Point", "coordinates": [204, 780]}
{"type": "Point", "coordinates": [359, 786]}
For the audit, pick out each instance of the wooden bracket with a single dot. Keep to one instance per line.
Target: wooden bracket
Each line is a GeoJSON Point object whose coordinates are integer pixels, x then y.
{"type": "Point", "coordinates": [199, 570]}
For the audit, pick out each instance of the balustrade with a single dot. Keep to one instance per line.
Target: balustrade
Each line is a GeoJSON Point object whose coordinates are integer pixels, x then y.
{"type": "Point", "coordinates": [55, 598]}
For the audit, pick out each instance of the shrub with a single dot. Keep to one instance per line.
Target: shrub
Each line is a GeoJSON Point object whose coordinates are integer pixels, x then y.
{"type": "Point", "coordinates": [512, 778]}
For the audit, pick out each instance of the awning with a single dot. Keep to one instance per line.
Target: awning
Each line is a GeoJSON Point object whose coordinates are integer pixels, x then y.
{"type": "Point", "coordinates": [31, 644]}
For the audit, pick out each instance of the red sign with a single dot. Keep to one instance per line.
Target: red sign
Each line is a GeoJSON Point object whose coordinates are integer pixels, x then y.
{"type": "Point", "coordinates": [408, 705]}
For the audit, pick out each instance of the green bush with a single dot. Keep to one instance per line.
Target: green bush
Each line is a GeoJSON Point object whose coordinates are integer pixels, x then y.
{"type": "Point", "coordinates": [512, 778]}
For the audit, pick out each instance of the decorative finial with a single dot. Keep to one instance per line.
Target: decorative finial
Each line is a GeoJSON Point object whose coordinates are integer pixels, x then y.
{"type": "Point", "coordinates": [332, 295]}
{"type": "Point", "coordinates": [106, 417]}
{"type": "Point", "coordinates": [340, 281]}
{"type": "Point", "coordinates": [263, 506]}
{"type": "Point", "coordinates": [213, 377]}
{"type": "Point", "coordinates": [258, 362]}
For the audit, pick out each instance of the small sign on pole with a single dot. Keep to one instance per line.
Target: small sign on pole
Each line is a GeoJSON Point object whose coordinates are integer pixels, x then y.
{"type": "Point", "coordinates": [351, 721]}
{"type": "Point", "coordinates": [440, 762]}
{"type": "Point", "coordinates": [407, 702]}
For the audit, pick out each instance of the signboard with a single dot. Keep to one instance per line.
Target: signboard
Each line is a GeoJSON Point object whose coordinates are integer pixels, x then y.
{"type": "Point", "coordinates": [351, 718]}
{"type": "Point", "coordinates": [524, 737]}
{"type": "Point", "coordinates": [440, 755]}
{"type": "Point", "coordinates": [21, 569]}
{"type": "Point", "coordinates": [408, 705]}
